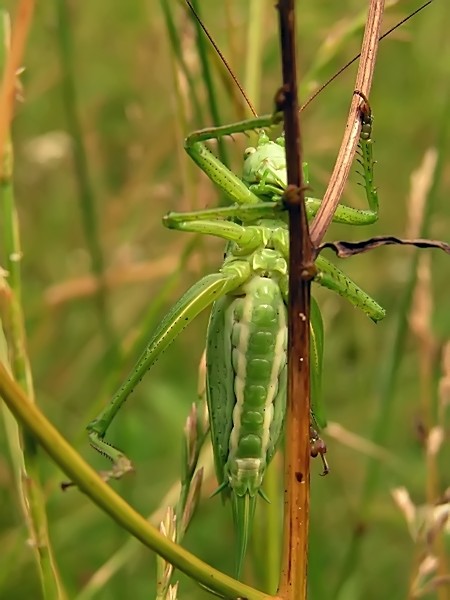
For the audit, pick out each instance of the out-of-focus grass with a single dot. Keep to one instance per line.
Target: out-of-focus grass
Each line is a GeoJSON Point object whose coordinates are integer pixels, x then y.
{"type": "Point", "coordinates": [123, 74]}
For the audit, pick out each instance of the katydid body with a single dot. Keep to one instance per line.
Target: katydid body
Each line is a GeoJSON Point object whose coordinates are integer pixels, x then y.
{"type": "Point", "coordinates": [247, 332]}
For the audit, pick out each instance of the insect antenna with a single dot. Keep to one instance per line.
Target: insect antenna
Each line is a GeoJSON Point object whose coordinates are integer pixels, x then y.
{"type": "Point", "coordinates": [355, 58]}
{"type": "Point", "coordinates": [323, 86]}
{"type": "Point", "coordinates": [222, 58]}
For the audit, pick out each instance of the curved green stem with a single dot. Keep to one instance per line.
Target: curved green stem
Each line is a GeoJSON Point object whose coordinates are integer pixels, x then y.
{"type": "Point", "coordinates": [110, 502]}
{"type": "Point", "coordinates": [13, 345]}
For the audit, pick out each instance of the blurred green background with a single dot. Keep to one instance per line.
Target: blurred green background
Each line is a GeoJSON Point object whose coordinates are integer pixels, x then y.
{"type": "Point", "coordinates": [133, 126]}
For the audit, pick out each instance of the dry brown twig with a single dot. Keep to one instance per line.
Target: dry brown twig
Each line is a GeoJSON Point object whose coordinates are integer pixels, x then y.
{"type": "Point", "coordinates": [293, 581]}
{"type": "Point", "coordinates": [350, 139]}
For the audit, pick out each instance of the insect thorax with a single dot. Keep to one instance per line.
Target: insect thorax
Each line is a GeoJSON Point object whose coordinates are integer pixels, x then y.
{"type": "Point", "coordinates": [265, 167]}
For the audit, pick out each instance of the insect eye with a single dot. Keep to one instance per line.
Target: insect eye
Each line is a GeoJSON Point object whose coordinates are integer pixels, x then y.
{"type": "Point", "coordinates": [249, 151]}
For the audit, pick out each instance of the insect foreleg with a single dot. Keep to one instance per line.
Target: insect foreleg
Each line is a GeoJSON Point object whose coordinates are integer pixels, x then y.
{"type": "Point", "coordinates": [210, 133]}
{"type": "Point", "coordinates": [227, 181]}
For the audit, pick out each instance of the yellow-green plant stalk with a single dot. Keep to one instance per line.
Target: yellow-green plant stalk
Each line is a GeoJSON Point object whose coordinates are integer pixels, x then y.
{"type": "Point", "coordinates": [13, 354]}
{"type": "Point", "coordinates": [104, 496]}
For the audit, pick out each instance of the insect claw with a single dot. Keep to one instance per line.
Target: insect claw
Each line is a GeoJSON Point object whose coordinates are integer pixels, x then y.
{"type": "Point", "coordinates": [326, 468]}
{"type": "Point", "coordinates": [121, 468]}
{"type": "Point", "coordinates": [64, 485]}
{"type": "Point", "coordinates": [318, 448]}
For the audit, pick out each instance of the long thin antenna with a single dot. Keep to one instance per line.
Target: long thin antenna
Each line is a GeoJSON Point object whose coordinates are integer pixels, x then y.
{"type": "Point", "coordinates": [223, 59]}
{"type": "Point", "coordinates": [322, 87]}
{"type": "Point", "coordinates": [350, 62]}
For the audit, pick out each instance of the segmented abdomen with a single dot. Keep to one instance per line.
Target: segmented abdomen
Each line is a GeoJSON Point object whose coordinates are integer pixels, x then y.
{"type": "Point", "coordinates": [247, 381]}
